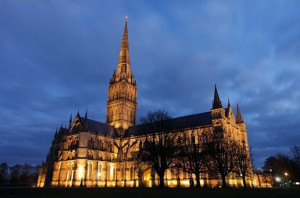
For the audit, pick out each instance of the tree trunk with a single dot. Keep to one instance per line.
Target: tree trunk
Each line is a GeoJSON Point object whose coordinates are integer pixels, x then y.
{"type": "Point", "coordinates": [178, 182]}
{"type": "Point", "coordinates": [153, 177]}
{"type": "Point", "coordinates": [224, 185]}
{"type": "Point", "coordinates": [161, 180]}
{"type": "Point", "coordinates": [259, 183]}
{"type": "Point", "coordinates": [198, 185]}
{"type": "Point", "coordinates": [244, 181]}
{"type": "Point", "coordinates": [141, 182]}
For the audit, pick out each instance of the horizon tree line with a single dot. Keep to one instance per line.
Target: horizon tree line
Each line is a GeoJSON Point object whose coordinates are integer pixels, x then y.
{"type": "Point", "coordinates": [284, 168]}
{"type": "Point", "coordinates": [24, 175]}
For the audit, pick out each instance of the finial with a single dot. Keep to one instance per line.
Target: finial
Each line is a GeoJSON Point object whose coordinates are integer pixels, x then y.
{"type": "Point", "coordinates": [229, 103]}
{"type": "Point", "coordinates": [86, 114]}
{"type": "Point", "coordinates": [126, 18]}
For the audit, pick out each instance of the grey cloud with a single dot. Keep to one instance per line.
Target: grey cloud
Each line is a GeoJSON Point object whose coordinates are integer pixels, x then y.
{"type": "Point", "coordinates": [56, 57]}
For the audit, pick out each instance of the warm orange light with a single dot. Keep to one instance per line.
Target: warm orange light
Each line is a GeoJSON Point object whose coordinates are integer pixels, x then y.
{"type": "Point", "coordinates": [80, 172]}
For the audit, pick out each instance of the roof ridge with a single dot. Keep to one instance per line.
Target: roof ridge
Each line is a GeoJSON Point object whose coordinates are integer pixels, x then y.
{"type": "Point", "coordinates": [191, 115]}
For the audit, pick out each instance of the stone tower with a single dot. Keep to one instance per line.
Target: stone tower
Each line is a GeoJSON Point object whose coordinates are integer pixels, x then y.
{"type": "Point", "coordinates": [122, 91]}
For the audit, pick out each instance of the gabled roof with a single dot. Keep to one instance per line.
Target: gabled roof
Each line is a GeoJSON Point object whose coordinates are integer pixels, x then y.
{"type": "Point", "coordinates": [178, 123]}
{"type": "Point", "coordinates": [101, 128]}
{"type": "Point", "coordinates": [95, 127]}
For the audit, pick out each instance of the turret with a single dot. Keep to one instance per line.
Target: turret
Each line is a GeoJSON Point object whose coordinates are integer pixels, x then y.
{"type": "Point", "coordinates": [70, 122]}
{"type": "Point", "coordinates": [217, 113]}
{"type": "Point", "coordinates": [229, 113]}
{"type": "Point", "coordinates": [242, 126]}
{"type": "Point", "coordinates": [239, 118]}
{"type": "Point", "coordinates": [86, 127]}
{"type": "Point", "coordinates": [217, 102]}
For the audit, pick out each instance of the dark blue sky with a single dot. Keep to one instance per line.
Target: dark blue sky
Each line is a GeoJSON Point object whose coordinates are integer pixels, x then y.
{"type": "Point", "coordinates": [56, 57]}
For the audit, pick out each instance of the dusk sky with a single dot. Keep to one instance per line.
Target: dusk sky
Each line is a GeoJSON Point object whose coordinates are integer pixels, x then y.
{"type": "Point", "coordinates": [56, 57]}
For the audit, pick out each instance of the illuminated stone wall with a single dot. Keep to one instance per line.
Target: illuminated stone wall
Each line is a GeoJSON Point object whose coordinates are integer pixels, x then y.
{"type": "Point", "coordinates": [101, 165]}
{"type": "Point", "coordinates": [95, 160]}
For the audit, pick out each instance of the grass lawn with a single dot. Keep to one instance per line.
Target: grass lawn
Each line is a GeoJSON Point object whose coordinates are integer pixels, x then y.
{"type": "Point", "coordinates": [148, 192]}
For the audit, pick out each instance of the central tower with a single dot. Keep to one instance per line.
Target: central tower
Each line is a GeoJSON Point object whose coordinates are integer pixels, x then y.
{"type": "Point", "coordinates": [122, 91]}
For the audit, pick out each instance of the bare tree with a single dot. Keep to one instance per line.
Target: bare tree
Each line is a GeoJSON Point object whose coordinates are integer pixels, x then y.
{"type": "Point", "coordinates": [296, 154]}
{"type": "Point", "coordinates": [193, 152]}
{"type": "Point", "coordinates": [141, 166]}
{"type": "Point", "coordinates": [280, 164]}
{"type": "Point", "coordinates": [129, 145]}
{"type": "Point", "coordinates": [243, 162]}
{"type": "Point", "coordinates": [4, 174]}
{"type": "Point", "coordinates": [176, 168]}
{"type": "Point", "coordinates": [159, 147]}
{"type": "Point", "coordinates": [222, 156]}
{"type": "Point", "coordinates": [120, 148]}
{"type": "Point", "coordinates": [15, 174]}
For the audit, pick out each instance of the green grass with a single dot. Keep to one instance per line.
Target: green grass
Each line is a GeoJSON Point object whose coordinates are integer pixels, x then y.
{"type": "Point", "coordinates": [148, 193]}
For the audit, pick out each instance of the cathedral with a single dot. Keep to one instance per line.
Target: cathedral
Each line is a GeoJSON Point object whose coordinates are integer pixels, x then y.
{"type": "Point", "coordinates": [87, 152]}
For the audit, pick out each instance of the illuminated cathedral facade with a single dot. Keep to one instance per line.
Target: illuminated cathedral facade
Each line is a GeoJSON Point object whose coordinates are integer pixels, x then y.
{"type": "Point", "coordinates": [97, 154]}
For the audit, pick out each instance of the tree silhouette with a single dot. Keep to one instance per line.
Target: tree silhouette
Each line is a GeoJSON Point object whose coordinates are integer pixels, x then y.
{"type": "Point", "coordinates": [221, 157]}
{"type": "Point", "coordinates": [4, 174]}
{"type": "Point", "coordinates": [192, 153]}
{"type": "Point", "coordinates": [159, 146]}
{"type": "Point", "coordinates": [243, 163]}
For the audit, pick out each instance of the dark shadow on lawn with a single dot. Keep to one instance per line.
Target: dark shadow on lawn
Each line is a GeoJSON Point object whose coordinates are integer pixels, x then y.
{"type": "Point", "coordinates": [148, 192]}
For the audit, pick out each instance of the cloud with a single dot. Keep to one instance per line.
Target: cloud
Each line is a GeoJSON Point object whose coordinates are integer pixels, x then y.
{"type": "Point", "coordinates": [56, 57]}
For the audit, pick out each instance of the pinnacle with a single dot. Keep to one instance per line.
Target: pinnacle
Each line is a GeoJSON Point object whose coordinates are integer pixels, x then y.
{"type": "Point", "coordinates": [217, 102]}
{"type": "Point", "coordinates": [239, 118]}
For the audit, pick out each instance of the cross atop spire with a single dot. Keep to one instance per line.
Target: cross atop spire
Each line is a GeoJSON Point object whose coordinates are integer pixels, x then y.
{"type": "Point", "coordinates": [239, 118]}
{"type": "Point", "coordinates": [124, 61]}
{"type": "Point", "coordinates": [217, 102]}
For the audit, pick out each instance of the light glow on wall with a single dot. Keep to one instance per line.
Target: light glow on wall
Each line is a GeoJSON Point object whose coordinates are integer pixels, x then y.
{"type": "Point", "coordinates": [80, 172]}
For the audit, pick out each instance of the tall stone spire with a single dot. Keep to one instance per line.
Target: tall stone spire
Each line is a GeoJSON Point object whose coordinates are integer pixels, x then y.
{"type": "Point", "coordinates": [124, 61]}
{"type": "Point", "coordinates": [122, 91]}
{"type": "Point", "coordinates": [239, 118]}
{"type": "Point", "coordinates": [217, 102]}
